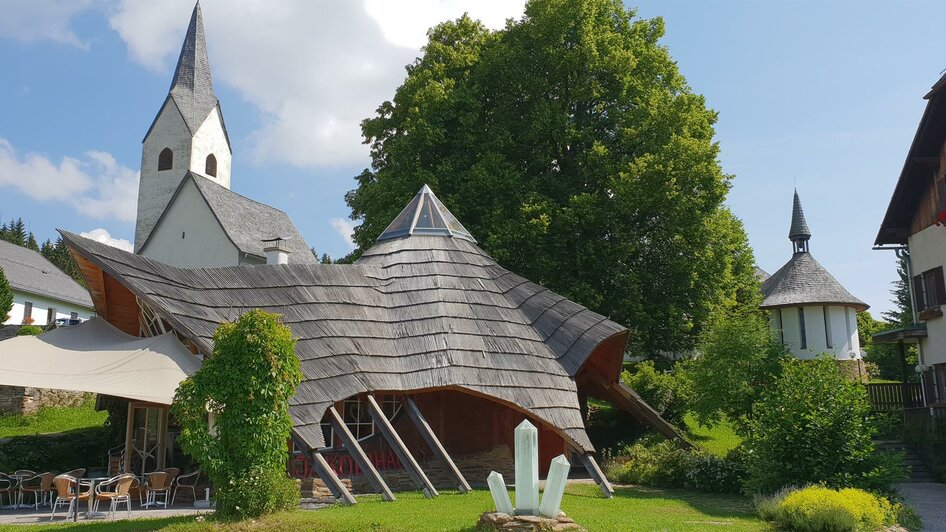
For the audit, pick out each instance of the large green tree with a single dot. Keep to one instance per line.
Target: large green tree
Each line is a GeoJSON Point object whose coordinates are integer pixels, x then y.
{"type": "Point", "coordinates": [569, 144]}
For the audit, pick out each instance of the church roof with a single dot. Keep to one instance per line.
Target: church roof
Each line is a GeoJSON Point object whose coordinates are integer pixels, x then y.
{"type": "Point", "coordinates": [28, 271]}
{"type": "Point", "coordinates": [803, 281]}
{"type": "Point", "coordinates": [425, 215]}
{"type": "Point", "coordinates": [799, 228]}
{"type": "Point", "coordinates": [246, 222]}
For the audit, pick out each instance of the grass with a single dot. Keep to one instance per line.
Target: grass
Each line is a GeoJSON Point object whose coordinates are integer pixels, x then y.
{"type": "Point", "coordinates": [631, 509]}
{"type": "Point", "coordinates": [718, 439]}
{"type": "Point", "coordinates": [52, 419]}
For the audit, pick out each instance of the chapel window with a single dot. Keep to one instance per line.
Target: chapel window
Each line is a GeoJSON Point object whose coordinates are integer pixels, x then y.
{"type": "Point", "coordinates": [165, 159]}
{"type": "Point", "coordinates": [211, 167]}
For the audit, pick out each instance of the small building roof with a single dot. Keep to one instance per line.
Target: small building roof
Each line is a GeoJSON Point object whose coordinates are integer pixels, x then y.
{"type": "Point", "coordinates": [425, 215]}
{"type": "Point", "coordinates": [28, 271]}
{"type": "Point", "coordinates": [246, 222]}
{"type": "Point", "coordinates": [803, 281]}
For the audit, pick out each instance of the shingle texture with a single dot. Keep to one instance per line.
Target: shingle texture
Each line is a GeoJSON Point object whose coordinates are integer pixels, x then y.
{"type": "Point", "coordinates": [799, 228]}
{"type": "Point", "coordinates": [28, 271]}
{"type": "Point", "coordinates": [803, 281]}
{"type": "Point", "coordinates": [413, 313]}
{"type": "Point", "coordinates": [192, 87]}
{"type": "Point", "coordinates": [249, 222]}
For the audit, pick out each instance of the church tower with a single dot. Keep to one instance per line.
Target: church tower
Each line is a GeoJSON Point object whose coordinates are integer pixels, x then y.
{"type": "Point", "coordinates": [188, 134]}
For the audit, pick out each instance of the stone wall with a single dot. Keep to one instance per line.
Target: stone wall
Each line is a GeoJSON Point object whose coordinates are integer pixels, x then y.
{"type": "Point", "coordinates": [19, 400]}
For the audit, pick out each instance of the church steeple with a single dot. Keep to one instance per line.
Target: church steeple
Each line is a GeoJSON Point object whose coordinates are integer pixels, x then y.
{"type": "Point", "coordinates": [799, 232]}
{"type": "Point", "coordinates": [192, 86]}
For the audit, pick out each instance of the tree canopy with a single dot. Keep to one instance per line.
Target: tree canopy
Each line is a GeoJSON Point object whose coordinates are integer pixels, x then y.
{"type": "Point", "coordinates": [573, 149]}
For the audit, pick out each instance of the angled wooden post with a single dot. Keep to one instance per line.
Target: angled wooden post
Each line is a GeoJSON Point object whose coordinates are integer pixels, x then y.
{"type": "Point", "coordinates": [434, 443]}
{"type": "Point", "coordinates": [403, 454]}
{"type": "Point", "coordinates": [354, 448]}
{"type": "Point", "coordinates": [597, 475]}
{"type": "Point", "coordinates": [324, 471]}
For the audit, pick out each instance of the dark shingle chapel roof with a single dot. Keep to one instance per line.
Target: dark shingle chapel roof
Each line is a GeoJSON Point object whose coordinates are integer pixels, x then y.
{"type": "Point", "coordinates": [417, 312]}
{"type": "Point", "coordinates": [246, 222]}
{"type": "Point", "coordinates": [802, 280]}
{"type": "Point", "coordinates": [28, 271]}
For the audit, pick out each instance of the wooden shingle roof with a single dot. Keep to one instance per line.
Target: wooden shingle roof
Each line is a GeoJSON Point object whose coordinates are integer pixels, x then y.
{"type": "Point", "coordinates": [415, 313]}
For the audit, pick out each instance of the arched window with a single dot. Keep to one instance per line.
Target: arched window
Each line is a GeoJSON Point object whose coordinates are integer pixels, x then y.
{"type": "Point", "coordinates": [211, 169]}
{"type": "Point", "coordinates": [165, 159]}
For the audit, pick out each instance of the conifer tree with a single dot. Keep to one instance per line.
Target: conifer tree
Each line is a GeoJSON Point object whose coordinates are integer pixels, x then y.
{"type": "Point", "coordinates": [6, 298]}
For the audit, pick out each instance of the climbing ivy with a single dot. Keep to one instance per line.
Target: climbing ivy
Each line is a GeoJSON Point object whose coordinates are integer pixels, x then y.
{"type": "Point", "coordinates": [234, 415]}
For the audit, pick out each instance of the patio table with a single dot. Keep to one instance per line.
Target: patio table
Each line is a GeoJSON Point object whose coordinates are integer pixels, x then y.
{"type": "Point", "coordinates": [19, 491]}
{"type": "Point", "coordinates": [92, 481]}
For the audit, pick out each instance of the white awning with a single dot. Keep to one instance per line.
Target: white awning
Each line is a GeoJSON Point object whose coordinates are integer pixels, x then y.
{"type": "Point", "coordinates": [98, 358]}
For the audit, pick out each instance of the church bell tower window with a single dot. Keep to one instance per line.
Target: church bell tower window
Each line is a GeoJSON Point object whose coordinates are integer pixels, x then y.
{"type": "Point", "coordinates": [211, 167]}
{"type": "Point", "coordinates": [165, 159]}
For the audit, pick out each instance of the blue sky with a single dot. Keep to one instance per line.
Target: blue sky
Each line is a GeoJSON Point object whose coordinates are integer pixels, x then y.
{"type": "Point", "coordinates": [822, 95]}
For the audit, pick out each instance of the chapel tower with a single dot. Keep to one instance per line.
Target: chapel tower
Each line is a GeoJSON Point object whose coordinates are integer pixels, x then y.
{"type": "Point", "coordinates": [187, 134]}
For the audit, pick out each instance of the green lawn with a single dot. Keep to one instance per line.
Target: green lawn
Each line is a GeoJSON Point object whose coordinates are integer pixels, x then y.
{"type": "Point", "coordinates": [718, 439]}
{"type": "Point", "coordinates": [631, 509]}
{"type": "Point", "coordinates": [52, 419]}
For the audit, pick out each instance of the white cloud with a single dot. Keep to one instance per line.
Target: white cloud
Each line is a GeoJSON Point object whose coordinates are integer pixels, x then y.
{"type": "Point", "coordinates": [313, 69]}
{"type": "Point", "coordinates": [103, 236]}
{"type": "Point", "coordinates": [42, 20]}
{"type": "Point", "coordinates": [97, 185]}
{"type": "Point", "coordinates": [345, 228]}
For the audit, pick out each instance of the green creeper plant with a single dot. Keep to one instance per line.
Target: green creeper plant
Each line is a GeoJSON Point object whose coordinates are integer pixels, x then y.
{"type": "Point", "coordinates": [234, 415]}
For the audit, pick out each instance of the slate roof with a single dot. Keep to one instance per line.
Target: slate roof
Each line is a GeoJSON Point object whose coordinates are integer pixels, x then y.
{"type": "Point", "coordinates": [28, 271]}
{"type": "Point", "coordinates": [803, 281]}
{"type": "Point", "coordinates": [414, 313]}
{"type": "Point", "coordinates": [799, 228]}
{"type": "Point", "coordinates": [246, 222]}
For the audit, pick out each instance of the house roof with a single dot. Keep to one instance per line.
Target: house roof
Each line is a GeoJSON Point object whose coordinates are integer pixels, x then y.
{"type": "Point", "coordinates": [914, 178]}
{"type": "Point", "coordinates": [246, 222]}
{"type": "Point", "coordinates": [803, 281]}
{"type": "Point", "coordinates": [28, 271]}
{"type": "Point", "coordinates": [416, 313]}
{"type": "Point", "coordinates": [425, 215]}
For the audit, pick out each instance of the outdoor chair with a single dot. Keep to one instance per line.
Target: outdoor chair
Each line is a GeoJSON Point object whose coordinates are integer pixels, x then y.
{"type": "Point", "coordinates": [77, 474]}
{"type": "Point", "coordinates": [8, 486]}
{"type": "Point", "coordinates": [115, 491]}
{"type": "Point", "coordinates": [186, 482]}
{"type": "Point", "coordinates": [68, 491]}
{"type": "Point", "coordinates": [157, 483]}
{"type": "Point", "coordinates": [41, 486]}
{"type": "Point", "coordinates": [21, 474]}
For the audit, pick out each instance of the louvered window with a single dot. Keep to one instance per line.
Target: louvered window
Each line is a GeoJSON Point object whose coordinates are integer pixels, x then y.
{"type": "Point", "coordinates": [929, 289]}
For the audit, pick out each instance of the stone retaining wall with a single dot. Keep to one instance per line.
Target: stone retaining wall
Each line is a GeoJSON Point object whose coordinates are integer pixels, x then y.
{"type": "Point", "coordinates": [19, 400]}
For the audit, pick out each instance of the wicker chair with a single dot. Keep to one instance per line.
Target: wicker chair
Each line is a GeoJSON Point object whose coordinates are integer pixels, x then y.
{"type": "Point", "coordinates": [157, 483]}
{"type": "Point", "coordinates": [8, 486]}
{"type": "Point", "coordinates": [41, 486]}
{"type": "Point", "coordinates": [115, 491]}
{"type": "Point", "coordinates": [68, 491]}
{"type": "Point", "coordinates": [186, 482]}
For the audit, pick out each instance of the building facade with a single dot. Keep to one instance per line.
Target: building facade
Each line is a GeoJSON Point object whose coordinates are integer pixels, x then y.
{"type": "Point", "coordinates": [42, 293]}
{"type": "Point", "coordinates": [812, 313]}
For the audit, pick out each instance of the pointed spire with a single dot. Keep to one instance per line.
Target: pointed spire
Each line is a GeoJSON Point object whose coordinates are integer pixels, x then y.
{"type": "Point", "coordinates": [192, 87]}
{"type": "Point", "coordinates": [425, 215]}
{"type": "Point", "coordinates": [799, 232]}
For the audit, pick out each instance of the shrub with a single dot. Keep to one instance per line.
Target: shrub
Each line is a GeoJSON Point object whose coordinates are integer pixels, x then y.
{"type": "Point", "coordinates": [29, 330]}
{"type": "Point", "coordinates": [56, 452]}
{"type": "Point", "coordinates": [821, 509]}
{"type": "Point", "coordinates": [667, 392]}
{"type": "Point", "coordinates": [662, 464]}
{"type": "Point", "coordinates": [714, 474]}
{"type": "Point", "coordinates": [246, 386]}
{"type": "Point", "coordinates": [811, 427]}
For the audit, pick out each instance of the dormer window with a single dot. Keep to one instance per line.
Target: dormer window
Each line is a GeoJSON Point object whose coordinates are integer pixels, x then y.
{"type": "Point", "coordinates": [165, 159]}
{"type": "Point", "coordinates": [211, 166]}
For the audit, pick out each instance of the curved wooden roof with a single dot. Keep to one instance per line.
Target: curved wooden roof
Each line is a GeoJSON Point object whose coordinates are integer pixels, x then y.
{"type": "Point", "coordinates": [415, 313]}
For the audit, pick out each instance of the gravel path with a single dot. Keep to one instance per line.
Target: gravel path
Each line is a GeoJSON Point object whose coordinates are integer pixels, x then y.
{"type": "Point", "coordinates": [929, 501]}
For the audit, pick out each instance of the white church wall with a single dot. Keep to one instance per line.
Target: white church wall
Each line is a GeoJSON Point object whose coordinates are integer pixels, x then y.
{"type": "Point", "coordinates": [840, 330]}
{"type": "Point", "coordinates": [840, 326]}
{"type": "Point", "coordinates": [189, 235]}
{"type": "Point", "coordinates": [41, 306]}
{"type": "Point", "coordinates": [815, 331]}
{"type": "Point", "coordinates": [928, 251]}
{"type": "Point", "coordinates": [155, 187]}
{"type": "Point", "coordinates": [210, 139]}
{"type": "Point", "coordinates": [791, 335]}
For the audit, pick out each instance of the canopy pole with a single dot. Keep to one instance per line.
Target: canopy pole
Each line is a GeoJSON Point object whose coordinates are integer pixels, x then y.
{"type": "Point", "coordinates": [129, 428]}
{"type": "Point", "coordinates": [403, 454]}
{"type": "Point", "coordinates": [434, 443]}
{"type": "Point", "coordinates": [356, 451]}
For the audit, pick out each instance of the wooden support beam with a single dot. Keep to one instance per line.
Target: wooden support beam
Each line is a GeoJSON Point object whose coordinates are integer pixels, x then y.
{"type": "Point", "coordinates": [324, 471]}
{"type": "Point", "coordinates": [354, 448]}
{"type": "Point", "coordinates": [403, 454]}
{"type": "Point", "coordinates": [428, 433]}
{"type": "Point", "coordinates": [597, 475]}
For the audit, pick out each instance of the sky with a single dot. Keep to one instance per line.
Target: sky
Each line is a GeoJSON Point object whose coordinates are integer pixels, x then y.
{"type": "Point", "coordinates": [822, 96]}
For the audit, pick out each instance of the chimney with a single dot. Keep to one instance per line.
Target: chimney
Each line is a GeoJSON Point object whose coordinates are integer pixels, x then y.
{"type": "Point", "coordinates": [277, 250]}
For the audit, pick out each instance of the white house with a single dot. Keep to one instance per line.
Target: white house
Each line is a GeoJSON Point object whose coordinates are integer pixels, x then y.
{"type": "Point", "coordinates": [41, 291]}
{"type": "Point", "coordinates": [812, 313]}
{"type": "Point", "coordinates": [187, 214]}
{"type": "Point", "coordinates": [915, 225]}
